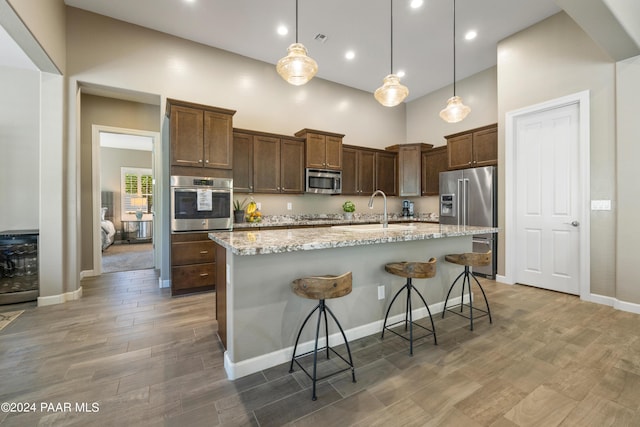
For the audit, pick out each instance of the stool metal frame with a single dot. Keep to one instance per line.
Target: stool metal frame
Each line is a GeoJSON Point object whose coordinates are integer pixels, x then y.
{"type": "Point", "coordinates": [410, 270]}
{"type": "Point", "coordinates": [338, 286]}
{"type": "Point", "coordinates": [467, 260]}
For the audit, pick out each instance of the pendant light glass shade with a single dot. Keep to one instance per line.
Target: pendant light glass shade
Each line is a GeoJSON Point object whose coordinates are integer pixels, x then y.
{"type": "Point", "coordinates": [455, 110]}
{"type": "Point", "coordinates": [392, 92]}
{"type": "Point", "coordinates": [297, 68]}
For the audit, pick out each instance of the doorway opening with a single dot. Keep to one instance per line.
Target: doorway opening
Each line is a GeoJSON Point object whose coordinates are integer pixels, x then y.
{"type": "Point", "coordinates": [124, 240]}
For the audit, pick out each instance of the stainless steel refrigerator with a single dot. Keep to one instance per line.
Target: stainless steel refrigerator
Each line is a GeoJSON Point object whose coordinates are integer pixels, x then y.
{"type": "Point", "coordinates": [469, 197]}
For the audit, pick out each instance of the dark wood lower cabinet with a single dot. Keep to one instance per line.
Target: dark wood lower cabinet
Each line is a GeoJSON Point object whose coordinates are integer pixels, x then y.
{"type": "Point", "coordinates": [193, 263]}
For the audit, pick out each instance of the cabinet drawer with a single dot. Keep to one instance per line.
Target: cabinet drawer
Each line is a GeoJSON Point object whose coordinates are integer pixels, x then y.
{"type": "Point", "coordinates": [183, 253]}
{"type": "Point", "coordinates": [193, 276]}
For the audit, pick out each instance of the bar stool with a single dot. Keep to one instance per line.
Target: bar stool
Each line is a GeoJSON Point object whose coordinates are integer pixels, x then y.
{"type": "Point", "coordinates": [321, 288]}
{"type": "Point", "coordinates": [411, 270]}
{"type": "Point", "coordinates": [469, 259]}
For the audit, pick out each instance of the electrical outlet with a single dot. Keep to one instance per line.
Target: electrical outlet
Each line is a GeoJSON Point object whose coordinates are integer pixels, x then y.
{"type": "Point", "coordinates": [289, 206]}
{"type": "Point", "coordinates": [259, 206]}
{"type": "Point", "coordinates": [380, 291]}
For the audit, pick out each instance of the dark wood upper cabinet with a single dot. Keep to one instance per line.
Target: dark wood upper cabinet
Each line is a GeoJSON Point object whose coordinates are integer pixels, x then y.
{"type": "Point", "coordinates": [433, 162]}
{"type": "Point", "coordinates": [291, 166]}
{"type": "Point", "coordinates": [349, 171]}
{"type": "Point", "coordinates": [267, 163]}
{"type": "Point", "coordinates": [200, 135]}
{"type": "Point", "coordinates": [386, 172]}
{"type": "Point", "coordinates": [365, 170]}
{"type": "Point", "coordinates": [473, 148]}
{"type": "Point", "coordinates": [409, 167]}
{"type": "Point", "coordinates": [242, 162]}
{"type": "Point", "coordinates": [323, 149]}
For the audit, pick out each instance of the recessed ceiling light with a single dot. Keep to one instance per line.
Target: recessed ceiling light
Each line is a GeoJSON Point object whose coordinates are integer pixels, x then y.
{"type": "Point", "coordinates": [470, 35]}
{"type": "Point", "coordinates": [400, 73]}
{"type": "Point", "coordinates": [416, 3]}
{"type": "Point", "coordinates": [350, 54]}
{"type": "Point", "coordinates": [282, 30]}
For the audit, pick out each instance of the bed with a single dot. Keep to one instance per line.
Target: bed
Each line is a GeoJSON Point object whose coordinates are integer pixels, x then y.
{"type": "Point", "coordinates": [106, 220]}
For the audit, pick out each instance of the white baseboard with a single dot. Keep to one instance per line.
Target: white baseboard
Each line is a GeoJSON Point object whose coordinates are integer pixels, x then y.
{"type": "Point", "coordinates": [278, 357]}
{"type": "Point", "coordinates": [61, 298]}
{"type": "Point", "coordinates": [87, 273]}
{"type": "Point", "coordinates": [503, 280]}
{"type": "Point", "coordinates": [615, 303]}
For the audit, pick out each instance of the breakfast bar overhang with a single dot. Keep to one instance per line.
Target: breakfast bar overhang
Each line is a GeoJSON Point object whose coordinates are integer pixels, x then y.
{"type": "Point", "coordinates": [258, 314]}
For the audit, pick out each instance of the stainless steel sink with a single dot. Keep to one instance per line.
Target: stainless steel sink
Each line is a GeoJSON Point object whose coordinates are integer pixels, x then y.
{"type": "Point", "coordinates": [375, 227]}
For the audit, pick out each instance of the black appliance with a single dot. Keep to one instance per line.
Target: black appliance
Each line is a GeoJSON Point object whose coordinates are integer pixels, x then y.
{"type": "Point", "coordinates": [18, 266]}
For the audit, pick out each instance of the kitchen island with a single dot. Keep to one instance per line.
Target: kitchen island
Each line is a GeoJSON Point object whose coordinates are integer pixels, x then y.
{"type": "Point", "coordinates": [259, 316]}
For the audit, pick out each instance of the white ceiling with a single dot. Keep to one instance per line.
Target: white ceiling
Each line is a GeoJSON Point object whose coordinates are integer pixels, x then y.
{"type": "Point", "coordinates": [422, 38]}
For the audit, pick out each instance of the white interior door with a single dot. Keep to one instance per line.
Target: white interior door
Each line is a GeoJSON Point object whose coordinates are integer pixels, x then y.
{"type": "Point", "coordinates": [547, 193]}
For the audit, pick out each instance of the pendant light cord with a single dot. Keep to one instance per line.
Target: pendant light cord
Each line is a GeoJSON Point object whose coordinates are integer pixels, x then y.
{"type": "Point", "coordinates": [454, 47]}
{"type": "Point", "coordinates": [391, 15]}
{"type": "Point", "coordinates": [296, 21]}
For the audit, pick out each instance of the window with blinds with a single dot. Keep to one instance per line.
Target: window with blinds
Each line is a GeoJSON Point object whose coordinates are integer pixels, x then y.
{"type": "Point", "coordinates": [135, 183]}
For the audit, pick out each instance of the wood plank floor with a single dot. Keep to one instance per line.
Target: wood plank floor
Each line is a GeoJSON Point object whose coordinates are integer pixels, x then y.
{"type": "Point", "coordinates": [148, 359]}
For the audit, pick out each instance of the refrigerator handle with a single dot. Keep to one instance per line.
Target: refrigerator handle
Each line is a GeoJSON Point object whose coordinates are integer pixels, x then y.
{"type": "Point", "coordinates": [460, 218]}
{"type": "Point", "coordinates": [465, 184]}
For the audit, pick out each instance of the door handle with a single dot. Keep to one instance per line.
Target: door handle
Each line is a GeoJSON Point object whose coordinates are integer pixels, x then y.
{"type": "Point", "coordinates": [573, 223]}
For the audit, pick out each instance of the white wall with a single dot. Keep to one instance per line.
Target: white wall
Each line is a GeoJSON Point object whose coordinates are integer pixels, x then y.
{"type": "Point", "coordinates": [479, 92]}
{"type": "Point", "coordinates": [19, 148]}
{"type": "Point", "coordinates": [628, 153]}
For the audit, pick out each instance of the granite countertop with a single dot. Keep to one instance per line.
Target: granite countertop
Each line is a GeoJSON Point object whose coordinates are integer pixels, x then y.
{"type": "Point", "coordinates": [330, 219]}
{"type": "Point", "coordinates": [257, 242]}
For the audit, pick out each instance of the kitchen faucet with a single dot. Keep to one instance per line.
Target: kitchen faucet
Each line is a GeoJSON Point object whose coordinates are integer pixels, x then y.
{"type": "Point", "coordinates": [385, 222]}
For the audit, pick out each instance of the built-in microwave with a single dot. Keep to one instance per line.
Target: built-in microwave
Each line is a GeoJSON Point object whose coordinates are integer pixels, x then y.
{"type": "Point", "coordinates": [201, 204]}
{"type": "Point", "coordinates": [323, 181]}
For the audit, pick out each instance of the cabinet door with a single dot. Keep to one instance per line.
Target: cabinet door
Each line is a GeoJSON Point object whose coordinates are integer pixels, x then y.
{"type": "Point", "coordinates": [409, 178]}
{"type": "Point", "coordinates": [291, 166]}
{"type": "Point", "coordinates": [349, 181]}
{"type": "Point", "coordinates": [333, 152]}
{"type": "Point", "coordinates": [386, 173]}
{"type": "Point", "coordinates": [366, 165]}
{"type": "Point", "coordinates": [316, 151]}
{"type": "Point", "coordinates": [186, 136]}
{"type": "Point", "coordinates": [485, 147]}
{"type": "Point", "coordinates": [218, 151]}
{"type": "Point", "coordinates": [242, 163]}
{"type": "Point", "coordinates": [460, 151]}
{"type": "Point", "coordinates": [433, 162]}
{"type": "Point", "coordinates": [266, 164]}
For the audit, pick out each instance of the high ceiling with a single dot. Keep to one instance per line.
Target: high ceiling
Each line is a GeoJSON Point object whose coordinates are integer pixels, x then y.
{"type": "Point", "coordinates": [422, 37]}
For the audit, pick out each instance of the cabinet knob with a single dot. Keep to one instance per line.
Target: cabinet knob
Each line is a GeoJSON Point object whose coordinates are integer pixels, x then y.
{"type": "Point", "coordinates": [200, 161]}
{"type": "Point", "coordinates": [204, 252]}
{"type": "Point", "coordinates": [204, 274]}
{"type": "Point", "coordinates": [206, 161]}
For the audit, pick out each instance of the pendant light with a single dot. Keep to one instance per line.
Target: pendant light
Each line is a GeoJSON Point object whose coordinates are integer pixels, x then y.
{"type": "Point", "coordinates": [392, 92]}
{"type": "Point", "coordinates": [455, 110]}
{"type": "Point", "coordinates": [297, 68]}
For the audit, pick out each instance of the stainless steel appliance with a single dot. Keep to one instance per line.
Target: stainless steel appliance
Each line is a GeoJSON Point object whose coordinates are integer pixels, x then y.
{"type": "Point", "coordinates": [18, 266]}
{"type": "Point", "coordinates": [201, 204]}
{"type": "Point", "coordinates": [469, 197]}
{"type": "Point", "coordinates": [323, 181]}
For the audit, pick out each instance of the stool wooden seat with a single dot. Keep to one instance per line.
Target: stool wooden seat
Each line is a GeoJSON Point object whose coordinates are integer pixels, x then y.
{"type": "Point", "coordinates": [321, 288]}
{"type": "Point", "coordinates": [410, 270]}
{"type": "Point", "coordinates": [469, 259]}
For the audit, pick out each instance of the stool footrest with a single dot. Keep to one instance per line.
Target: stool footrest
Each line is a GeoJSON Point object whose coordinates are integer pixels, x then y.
{"type": "Point", "coordinates": [389, 328]}
{"type": "Point", "coordinates": [300, 356]}
{"type": "Point", "coordinates": [461, 313]}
